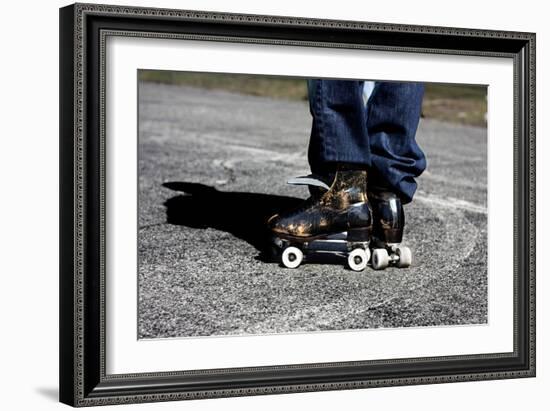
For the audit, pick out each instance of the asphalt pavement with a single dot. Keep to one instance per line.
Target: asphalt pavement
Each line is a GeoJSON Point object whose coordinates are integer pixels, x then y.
{"type": "Point", "coordinates": [213, 165]}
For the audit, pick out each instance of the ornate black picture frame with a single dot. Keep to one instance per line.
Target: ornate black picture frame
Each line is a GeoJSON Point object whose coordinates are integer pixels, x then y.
{"type": "Point", "coordinates": [83, 30]}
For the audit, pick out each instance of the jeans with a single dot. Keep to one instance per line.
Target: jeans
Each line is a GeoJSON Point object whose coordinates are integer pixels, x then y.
{"type": "Point", "coordinates": [378, 135]}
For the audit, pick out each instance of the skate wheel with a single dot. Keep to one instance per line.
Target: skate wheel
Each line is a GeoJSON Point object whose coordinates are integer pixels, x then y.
{"type": "Point", "coordinates": [358, 259]}
{"type": "Point", "coordinates": [405, 257]}
{"type": "Point", "coordinates": [380, 258]}
{"type": "Point", "coordinates": [292, 257]}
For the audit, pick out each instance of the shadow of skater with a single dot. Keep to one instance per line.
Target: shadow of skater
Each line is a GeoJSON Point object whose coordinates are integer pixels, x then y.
{"type": "Point", "coordinates": [244, 215]}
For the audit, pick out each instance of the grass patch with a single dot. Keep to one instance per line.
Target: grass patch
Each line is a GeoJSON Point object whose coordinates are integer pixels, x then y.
{"type": "Point", "coordinates": [275, 87]}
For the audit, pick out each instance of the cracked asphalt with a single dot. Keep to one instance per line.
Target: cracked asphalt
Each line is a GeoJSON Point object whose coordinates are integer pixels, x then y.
{"type": "Point", "coordinates": [213, 165]}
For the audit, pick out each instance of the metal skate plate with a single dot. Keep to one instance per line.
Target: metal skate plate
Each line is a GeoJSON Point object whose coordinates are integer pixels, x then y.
{"type": "Point", "coordinates": [333, 243]}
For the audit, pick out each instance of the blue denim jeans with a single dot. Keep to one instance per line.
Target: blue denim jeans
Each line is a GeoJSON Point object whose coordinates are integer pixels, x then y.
{"type": "Point", "coordinates": [378, 135]}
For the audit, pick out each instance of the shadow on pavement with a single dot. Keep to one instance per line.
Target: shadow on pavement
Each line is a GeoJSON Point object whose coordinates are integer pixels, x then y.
{"type": "Point", "coordinates": [244, 215]}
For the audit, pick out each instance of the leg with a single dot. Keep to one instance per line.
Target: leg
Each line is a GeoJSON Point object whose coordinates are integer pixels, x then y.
{"type": "Point", "coordinates": [393, 112]}
{"type": "Point", "coordinates": [339, 151]}
{"type": "Point", "coordinates": [392, 116]}
{"type": "Point", "coordinates": [338, 133]}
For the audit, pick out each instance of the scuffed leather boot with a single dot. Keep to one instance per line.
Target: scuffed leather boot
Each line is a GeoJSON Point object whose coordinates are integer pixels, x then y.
{"type": "Point", "coordinates": [388, 226]}
{"type": "Point", "coordinates": [344, 207]}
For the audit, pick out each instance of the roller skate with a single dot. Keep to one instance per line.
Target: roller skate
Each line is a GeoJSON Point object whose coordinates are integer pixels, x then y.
{"type": "Point", "coordinates": [387, 234]}
{"type": "Point", "coordinates": [335, 218]}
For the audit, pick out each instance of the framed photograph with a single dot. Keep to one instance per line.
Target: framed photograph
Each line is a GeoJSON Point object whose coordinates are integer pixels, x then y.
{"type": "Point", "coordinates": [262, 204]}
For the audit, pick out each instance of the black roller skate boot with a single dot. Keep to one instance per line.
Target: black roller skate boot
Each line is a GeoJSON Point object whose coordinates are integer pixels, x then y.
{"type": "Point", "coordinates": [339, 214]}
{"type": "Point", "coordinates": [387, 234]}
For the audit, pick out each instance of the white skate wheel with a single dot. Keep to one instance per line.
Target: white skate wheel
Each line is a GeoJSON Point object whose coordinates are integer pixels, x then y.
{"type": "Point", "coordinates": [380, 258]}
{"type": "Point", "coordinates": [358, 259]}
{"type": "Point", "coordinates": [405, 257]}
{"type": "Point", "coordinates": [292, 257]}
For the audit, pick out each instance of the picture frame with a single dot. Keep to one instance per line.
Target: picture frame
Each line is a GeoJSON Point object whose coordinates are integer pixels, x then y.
{"type": "Point", "coordinates": [84, 29]}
